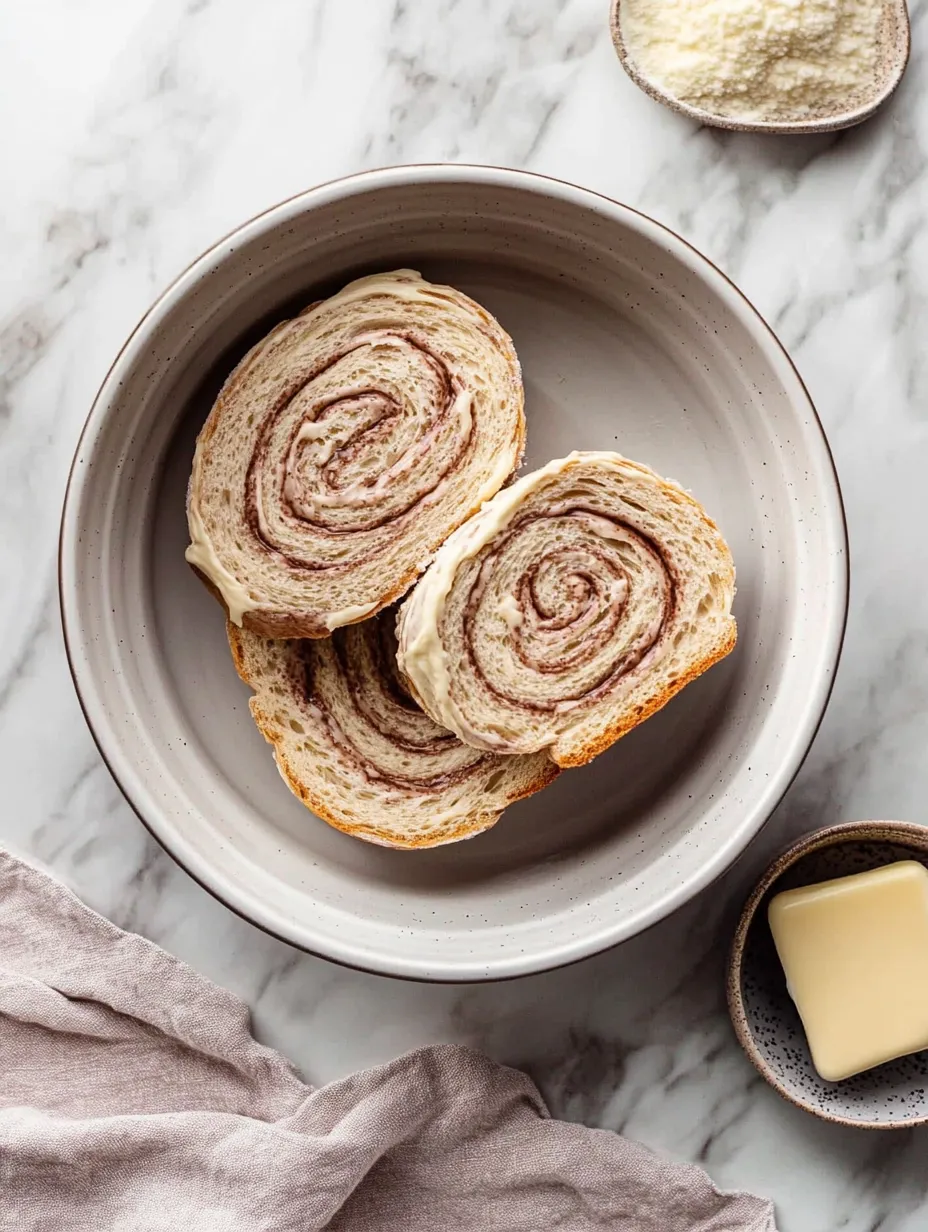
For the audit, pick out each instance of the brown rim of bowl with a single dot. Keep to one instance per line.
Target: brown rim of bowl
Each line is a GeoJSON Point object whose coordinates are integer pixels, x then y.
{"type": "Point", "coordinates": [796, 128]}
{"type": "Point", "coordinates": [348, 179]}
{"type": "Point", "coordinates": [905, 833]}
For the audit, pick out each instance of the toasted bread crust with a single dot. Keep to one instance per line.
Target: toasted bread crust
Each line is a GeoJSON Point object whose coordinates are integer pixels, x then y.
{"type": "Point", "coordinates": [476, 824]}
{"type": "Point", "coordinates": [568, 760]}
{"type": "Point", "coordinates": [423, 618]}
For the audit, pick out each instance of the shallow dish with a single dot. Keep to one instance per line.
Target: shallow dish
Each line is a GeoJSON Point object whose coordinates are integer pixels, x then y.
{"type": "Point", "coordinates": [629, 340]}
{"type": "Point", "coordinates": [896, 47]}
{"type": "Point", "coordinates": [892, 1096]}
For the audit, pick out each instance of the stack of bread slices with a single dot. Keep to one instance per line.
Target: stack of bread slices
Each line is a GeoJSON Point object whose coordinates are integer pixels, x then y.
{"type": "Point", "coordinates": [428, 638]}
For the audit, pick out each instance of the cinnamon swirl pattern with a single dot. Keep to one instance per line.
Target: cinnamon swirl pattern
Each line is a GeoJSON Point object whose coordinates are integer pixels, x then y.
{"type": "Point", "coordinates": [345, 447]}
{"type": "Point", "coordinates": [356, 749]}
{"type": "Point", "coordinates": [571, 607]}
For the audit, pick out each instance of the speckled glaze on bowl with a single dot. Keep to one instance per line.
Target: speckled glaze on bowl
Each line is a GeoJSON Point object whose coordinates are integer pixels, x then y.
{"type": "Point", "coordinates": [892, 1096]}
{"type": "Point", "coordinates": [896, 48]}
{"type": "Point", "coordinates": [629, 340]}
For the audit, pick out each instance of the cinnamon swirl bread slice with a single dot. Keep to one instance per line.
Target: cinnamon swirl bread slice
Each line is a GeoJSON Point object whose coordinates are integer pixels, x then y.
{"type": "Point", "coordinates": [344, 449]}
{"type": "Point", "coordinates": [574, 605]}
{"type": "Point", "coordinates": [351, 743]}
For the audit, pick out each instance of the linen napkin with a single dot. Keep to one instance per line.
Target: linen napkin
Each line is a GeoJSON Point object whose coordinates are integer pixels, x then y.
{"type": "Point", "coordinates": [133, 1096]}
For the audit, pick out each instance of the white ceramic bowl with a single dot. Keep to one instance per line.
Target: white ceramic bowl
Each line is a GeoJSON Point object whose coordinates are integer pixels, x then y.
{"type": "Point", "coordinates": [630, 340]}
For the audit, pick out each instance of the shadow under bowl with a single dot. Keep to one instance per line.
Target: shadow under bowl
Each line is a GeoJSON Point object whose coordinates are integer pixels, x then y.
{"type": "Point", "coordinates": [891, 1096]}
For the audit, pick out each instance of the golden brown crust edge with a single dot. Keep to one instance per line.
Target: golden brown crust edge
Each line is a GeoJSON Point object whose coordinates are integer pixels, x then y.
{"type": "Point", "coordinates": [580, 757]}
{"type": "Point", "coordinates": [584, 755]}
{"type": "Point", "coordinates": [473, 826]}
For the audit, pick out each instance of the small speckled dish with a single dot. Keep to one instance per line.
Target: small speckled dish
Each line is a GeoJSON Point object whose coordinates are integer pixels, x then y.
{"type": "Point", "coordinates": [628, 340]}
{"type": "Point", "coordinates": [892, 1096]}
{"type": "Point", "coordinates": [895, 45]}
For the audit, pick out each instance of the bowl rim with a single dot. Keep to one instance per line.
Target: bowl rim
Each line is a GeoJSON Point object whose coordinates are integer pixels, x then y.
{"type": "Point", "coordinates": [342, 188]}
{"type": "Point", "coordinates": [901, 832]}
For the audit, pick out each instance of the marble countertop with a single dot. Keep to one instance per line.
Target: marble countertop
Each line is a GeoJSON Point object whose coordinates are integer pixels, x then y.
{"type": "Point", "coordinates": [136, 132]}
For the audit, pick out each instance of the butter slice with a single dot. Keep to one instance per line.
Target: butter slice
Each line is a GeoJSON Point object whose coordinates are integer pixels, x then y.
{"type": "Point", "coordinates": [855, 954]}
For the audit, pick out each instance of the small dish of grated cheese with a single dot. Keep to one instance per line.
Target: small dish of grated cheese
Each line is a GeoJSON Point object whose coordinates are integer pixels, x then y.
{"type": "Point", "coordinates": [781, 65]}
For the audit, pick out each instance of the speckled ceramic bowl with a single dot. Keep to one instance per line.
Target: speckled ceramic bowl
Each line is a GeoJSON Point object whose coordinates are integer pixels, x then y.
{"type": "Point", "coordinates": [629, 340]}
{"type": "Point", "coordinates": [891, 1096]}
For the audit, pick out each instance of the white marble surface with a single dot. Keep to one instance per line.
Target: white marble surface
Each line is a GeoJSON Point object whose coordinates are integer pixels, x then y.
{"type": "Point", "coordinates": [135, 132]}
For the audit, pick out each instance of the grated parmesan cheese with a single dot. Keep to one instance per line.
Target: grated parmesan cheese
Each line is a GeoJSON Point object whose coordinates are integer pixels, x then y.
{"type": "Point", "coordinates": [758, 59]}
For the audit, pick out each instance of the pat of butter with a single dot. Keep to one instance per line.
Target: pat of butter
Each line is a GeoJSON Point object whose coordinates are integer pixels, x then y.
{"type": "Point", "coordinates": [855, 954]}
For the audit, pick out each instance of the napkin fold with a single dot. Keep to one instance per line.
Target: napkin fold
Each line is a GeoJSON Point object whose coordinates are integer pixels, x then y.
{"type": "Point", "coordinates": [133, 1096]}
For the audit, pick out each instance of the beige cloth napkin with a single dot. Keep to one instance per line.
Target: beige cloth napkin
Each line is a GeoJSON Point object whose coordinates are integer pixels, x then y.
{"type": "Point", "coordinates": [134, 1097]}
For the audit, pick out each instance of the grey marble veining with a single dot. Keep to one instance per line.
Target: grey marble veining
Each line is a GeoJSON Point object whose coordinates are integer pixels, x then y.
{"type": "Point", "coordinates": [133, 134]}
